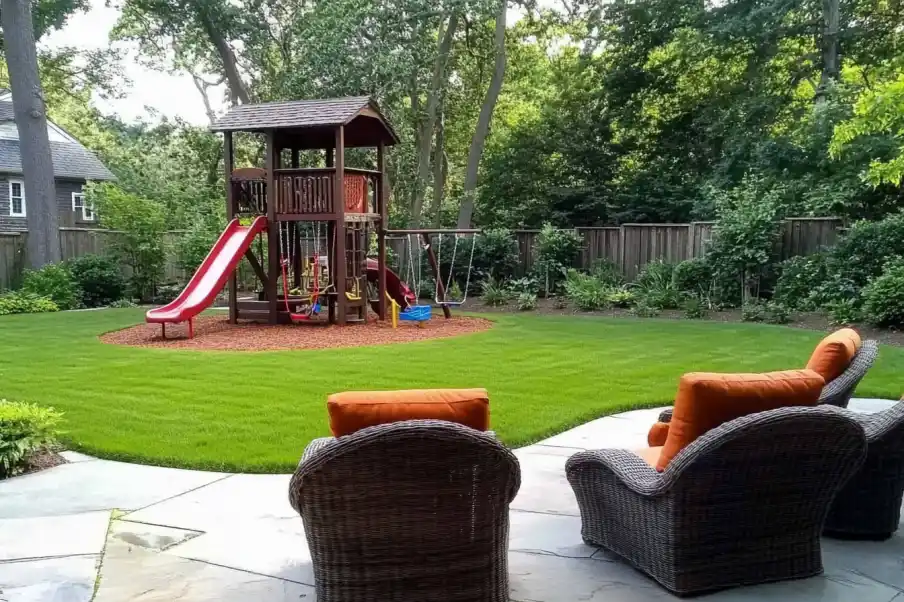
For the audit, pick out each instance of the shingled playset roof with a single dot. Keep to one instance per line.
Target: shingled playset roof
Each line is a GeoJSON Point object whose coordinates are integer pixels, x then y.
{"type": "Point", "coordinates": [304, 114]}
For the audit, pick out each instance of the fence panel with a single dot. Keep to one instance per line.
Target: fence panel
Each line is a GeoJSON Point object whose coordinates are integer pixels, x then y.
{"type": "Point", "coordinates": [643, 243]}
{"type": "Point", "coordinates": [806, 235]}
{"type": "Point", "coordinates": [526, 252]}
{"type": "Point", "coordinates": [630, 246]}
{"type": "Point", "coordinates": [599, 244]}
{"type": "Point", "coordinates": [12, 258]}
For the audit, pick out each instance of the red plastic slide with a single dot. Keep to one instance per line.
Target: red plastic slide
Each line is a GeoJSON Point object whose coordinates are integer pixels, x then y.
{"type": "Point", "coordinates": [397, 289]}
{"type": "Point", "coordinates": [210, 277]}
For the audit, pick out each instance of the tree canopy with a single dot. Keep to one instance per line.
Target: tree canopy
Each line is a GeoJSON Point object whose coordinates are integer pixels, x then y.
{"type": "Point", "coordinates": [513, 114]}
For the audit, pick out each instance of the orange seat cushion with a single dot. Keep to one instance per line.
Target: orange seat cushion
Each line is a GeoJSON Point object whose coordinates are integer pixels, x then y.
{"type": "Point", "coordinates": [355, 410]}
{"type": "Point", "coordinates": [650, 455]}
{"type": "Point", "coordinates": [657, 435]}
{"type": "Point", "coordinates": [706, 400]}
{"type": "Point", "coordinates": [835, 353]}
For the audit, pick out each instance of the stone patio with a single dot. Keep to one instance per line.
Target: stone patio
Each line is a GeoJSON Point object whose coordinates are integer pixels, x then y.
{"type": "Point", "coordinates": [115, 532]}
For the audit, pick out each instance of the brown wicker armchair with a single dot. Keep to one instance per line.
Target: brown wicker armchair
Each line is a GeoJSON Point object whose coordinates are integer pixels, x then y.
{"type": "Point", "coordinates": [869, 505]}
{"type": "Point", "coordinates": [743, 504]}
{"type": "Point", "coordinates": [410, 511]}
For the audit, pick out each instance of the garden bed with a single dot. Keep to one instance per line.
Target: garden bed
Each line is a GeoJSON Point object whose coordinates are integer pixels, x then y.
{"type": "Point", "coordinates": [806, 320]}
{"type": "Point", "coordinates": [216, 333]}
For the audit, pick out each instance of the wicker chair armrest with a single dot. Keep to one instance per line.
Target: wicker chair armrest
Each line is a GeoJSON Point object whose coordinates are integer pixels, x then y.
{"type": "Point", "coordinates": [628, 467]}
{"type": "Point", "coordinates": [666, 415]}
{"type": "Point", "coordinates": [839, 390]}
{"type": "Point", "coordinates": [314, 449]}
{"type": "Point", "coordinates": [878, 424]}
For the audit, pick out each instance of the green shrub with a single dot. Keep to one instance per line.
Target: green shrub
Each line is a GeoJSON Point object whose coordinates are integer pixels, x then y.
{"type": "Point", "coordinates": [883, 298]}
{"type": "Point", "coordinates": [608, 272]}
{"type": "Point", "coordinates": [139, 243]}
{"type": "Point", "coordinates": [586, 292]}
{"type": "Point", "coordinates": [527, 302]}
{"type": "Point", "coordinates": [54, 281]}
{"type": "Point", "coordinates": [656, 286]}
{"type": "Point", "coordinates": [753, 311]}
{"type": "Point", "coordinates": [776, 313]}
{"type": "Point", "coordinates": [99, 279]}
{"type": "Point", "coordinates": [18, 302]}
{"type": "Point", "coordinates": [621, 297]}
{"type": "Point", "coordinates": [845, 312]}
{"type": "Point", "coordinates": [495, 255]}
{"type": "Point", "coordinates": [693, 276]}
{"type": "Point", "coordinates": [556, 251]}
{"type": "Point", "coordinates": [743, 248]}
{"type": "Point", "coordinates": [694, 308]}
{"type": "Point", "coordinates": [166, 293]}
{"type": "Point", "coordinates": [493, 294]}
{"type": "Point", "coordinates": [194, 244]}
{"type": "Point", "coordinates": [527, 284]}
{"type": "Point", "coordinates": [24, 429]}
{"type": "Point", "coordinates": [643, 310]}
{"type": "Point", "coordinates": [121, 303]}
{"type": "Point", "coordinates": [799, 281]}
{"type": "Point", "coordinates": [861, 255]}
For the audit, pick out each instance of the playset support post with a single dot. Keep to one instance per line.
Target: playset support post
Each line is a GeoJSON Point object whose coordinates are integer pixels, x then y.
{"type": "Point", "coordinates": [339, 207]}
{"type": "Point", "coordinates": [381, 196]}
{"type": "Point", "coordinates": [230, 215]}
{"type": "Point", "coordinates": [272, 229]}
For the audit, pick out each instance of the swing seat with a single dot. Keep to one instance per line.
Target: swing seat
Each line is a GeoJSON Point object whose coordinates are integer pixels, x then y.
{"type": "Point", "coordinates": [417, 313]}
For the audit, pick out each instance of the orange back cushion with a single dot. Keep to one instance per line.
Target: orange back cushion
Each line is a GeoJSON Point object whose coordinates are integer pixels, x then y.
{"type": "Point", "coordinates": [353, 410]}
{"type": "Point", "coordinates": [706, 400]}
{"type": "Point", "coordinates": [834, 353]}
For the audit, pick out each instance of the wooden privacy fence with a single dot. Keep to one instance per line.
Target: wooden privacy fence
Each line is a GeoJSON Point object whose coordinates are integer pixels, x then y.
{"type": "Point", "coordinates": [629, 246]}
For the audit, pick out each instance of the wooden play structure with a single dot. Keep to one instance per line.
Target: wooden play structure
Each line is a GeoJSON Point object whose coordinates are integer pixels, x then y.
{"type": "Point", "coordinates": [306, 230]}
{"type": "Point", "coordinates": [320, 218]}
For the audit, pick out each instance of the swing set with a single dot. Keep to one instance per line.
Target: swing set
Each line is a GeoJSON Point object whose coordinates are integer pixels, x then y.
{"type": "Point", "coordinates": [423, 241]}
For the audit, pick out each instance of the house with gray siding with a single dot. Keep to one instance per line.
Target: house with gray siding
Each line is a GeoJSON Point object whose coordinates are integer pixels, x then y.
{"type": "Point", "coordinates": [73, 166]}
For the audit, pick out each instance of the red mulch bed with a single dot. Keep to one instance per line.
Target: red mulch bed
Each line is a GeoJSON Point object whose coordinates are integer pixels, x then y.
{"type": "Point", "coordinates": [216, 333]}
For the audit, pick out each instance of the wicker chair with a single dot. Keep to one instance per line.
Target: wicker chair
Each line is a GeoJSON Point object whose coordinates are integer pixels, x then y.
{"type": "Point", "coordinates": [410, 511]}
{"type": "Point", "coordinates": [869, 505]}
{"type": "Point", "coordinates": [743, 504]}
{"type": "Point", "coordinates": [839, 391]}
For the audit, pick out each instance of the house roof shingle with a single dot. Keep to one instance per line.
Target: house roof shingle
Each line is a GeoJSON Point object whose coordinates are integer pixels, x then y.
{"type": "Point", "coordinates": [69, 161]}
{"type": "Point", "coordinates": [299, 114]}
{"type": "Point", "coordinates": [6, 111]}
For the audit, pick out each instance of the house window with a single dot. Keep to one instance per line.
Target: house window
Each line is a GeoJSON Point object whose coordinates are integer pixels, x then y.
{"type": "Point", "coordinates": [81, 205]}
{"type": "Point", "coordinates": [16, 198]}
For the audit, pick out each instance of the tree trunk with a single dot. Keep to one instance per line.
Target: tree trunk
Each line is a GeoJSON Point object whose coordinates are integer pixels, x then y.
{"type": "Point", "coordinates": [42, 213]}
{"type": "Point", "coordinates": [478, 142]}
{"type": "Point", "coordinates": [830, 63]}
{"type": "Point", "coordinates": [440, 170]}
{"type": "Point", "coordinates": [237, 88]}
{"type": "Point", "coordinates": [202, 86]}
{"type": "Point", "coordinates": [425, 137]}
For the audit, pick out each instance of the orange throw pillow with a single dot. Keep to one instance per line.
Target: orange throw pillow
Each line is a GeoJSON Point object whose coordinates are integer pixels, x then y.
{"type": "Point", "coordinates": [835, 353]}
{"type": "Point", "coordinates": [658, 434]}
{"type": "Point", "coordinates": [355, 410]}
{"type": "Point", "coordinates": [706, 400]}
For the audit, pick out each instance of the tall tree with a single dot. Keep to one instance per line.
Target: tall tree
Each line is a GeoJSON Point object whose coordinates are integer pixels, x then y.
{"type": "Point", "coordinates": [428, 120]}
{"type": "Point", "coordinates": [34, 144]}
{"type": "Point", "coordinates": [475, 153]}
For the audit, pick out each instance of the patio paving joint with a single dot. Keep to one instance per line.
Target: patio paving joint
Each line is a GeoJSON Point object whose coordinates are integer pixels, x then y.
{"type": "Point", "coordinates": [172, 497]}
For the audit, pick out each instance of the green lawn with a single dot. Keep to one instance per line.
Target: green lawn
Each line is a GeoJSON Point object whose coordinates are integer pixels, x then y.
{"type": "Point", "coordinates": [256, 411]}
